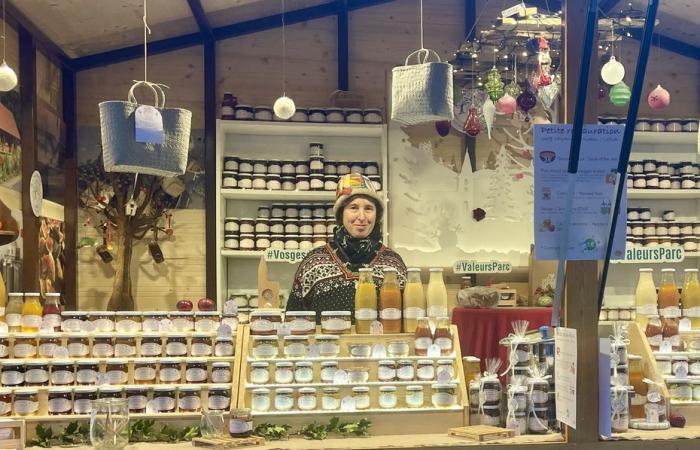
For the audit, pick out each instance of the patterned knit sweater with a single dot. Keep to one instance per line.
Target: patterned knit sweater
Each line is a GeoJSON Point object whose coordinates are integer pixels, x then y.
{"type": "Point", "coordinates": [324, 282]}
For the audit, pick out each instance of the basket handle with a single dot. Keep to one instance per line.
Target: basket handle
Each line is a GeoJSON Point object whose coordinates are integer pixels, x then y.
{"type": "Point", "coordinates": [157, 89]}
{"type": "Point", "coordinates": [423, 55]}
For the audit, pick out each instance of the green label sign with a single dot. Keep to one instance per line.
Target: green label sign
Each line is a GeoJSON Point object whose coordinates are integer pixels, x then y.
{"type": "Point", "coordinates": [655, 254]}
{"type": "Point", "coordinates": [472, 266]}
{"type": "Point", "coordinates": [288, 256]}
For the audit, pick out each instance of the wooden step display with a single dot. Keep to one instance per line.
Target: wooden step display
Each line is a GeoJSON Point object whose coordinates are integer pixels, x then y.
{"type": "Point", "coordinates": [385, 421]}
{"type": "Point", "coordinates": [481, 433]}
{"type": "Point", "coordinates": [222, 443]}
{"type": "Point", "coordinates": [12, 433]}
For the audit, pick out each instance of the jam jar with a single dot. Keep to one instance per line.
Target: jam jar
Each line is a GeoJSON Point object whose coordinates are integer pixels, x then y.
{"type": "Point", "coordinates": [414, 396]}
{"type": "Point", "coordinates": [265, 347]}
{"type": "Point", "coordinates": [36, 373]}
{"type": "Point", "coordinates": [26, 402]}
{"type": "Point", "coordinates": [25, 346]}
{"type": "Point", "coordinates": [206, 321]}
{"type": "Point", "coordinates": [328, 370]}
{"type": "Point", "coordinates": [223, 346]}
{"type": "Point", "coordinates": [102, 346]}
{"type": "Point", "coordinates": [151, 345]}
{"type": "Point", "coordinates": [284, 399]}
{"type": "Point", "coordinates": [5, 402]}
{"type": "Point", "coordinates": [128, 321]}
{"type": "Point", "coordinates": [176, 345]}
{"type": "Point", "coordinates": [219, 398]}
{"type": "Point", "coordinates": [72, 321]}
{"type": "Point", "coordinates": [264, 322]}
{"type": "Point", "coordinates": [102, 321]}
{"type": "Point", "coordinates": [86, 372]}
{"type": "Point", "coordinates": [196, 370]}
{"type": "Point", "coordinates": [386, 370]}
{"type": "Point", "coordinates": [295, 346]}
{"type": "Point", "coordinates": [241, 423]}
{"type": "Point", "coordinates": [48, 342]}
{"type": "Point", "coordinates": [328, 345]}
{"type": "Point", "coordinates": [137, 398]}
{"type": "Point", "coordinates": [12, 374]}
{"type": "Point", "coordinates": [405, 370]}
{"type": "Point", "coordinates": [182, 320]}
{"type": "Point", "coordinates": [303, 372]}
{"type": "Point", "coordinates": [189, 400]}
{"type": "Point", "coordinates": [259, 372]}
{"type": "Point", "coordinates": [164, 399]}
{"type": "Point", "coordinates": [361, 396]}
{"type": "Point", "coordinates": [124, 345]}
{"type": "Point", "coordinates": [284, 373]}
{"type": "Point", "coordinates": [201, 345]}
{"type": "Point", "coordinates": [330, 399]}
{"type": "Point", "coordinates": [260, 400]}
{"type": "Point", "coordinates": [307, 399]}
{"type": "Point", "coordinates": [62, 373]}
{"type": "Point", "coordinates": [117, 371]}
{"type": "Point", "coordinates": [4, 345]}
{"type": "Point", "coordinates": [335, 322]}
{"type": "Point", "coordinates": [152, 320]}
{"type": "Point", "coordinates": [145, 371]}
{"type": "Point", "coordinates": [387, 397]}
{"type": "Point", "coordinates": [221, 372]}
{"type": "Point", "coordinates": [78, 346]}
{"type": "Point", "coordinates": [170, 371]}
{"type": "Point", "coordinates": [60, 402]}
{"type": "Point", "coordinates": [83, 398]}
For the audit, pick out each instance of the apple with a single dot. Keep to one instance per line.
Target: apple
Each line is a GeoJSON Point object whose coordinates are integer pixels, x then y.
{"type": "Point", "coordinates": [184, 305]}
{"type": "Point", "coordinates": [677, 420]}
{"type": "Point", "coordinates": [206, 304]}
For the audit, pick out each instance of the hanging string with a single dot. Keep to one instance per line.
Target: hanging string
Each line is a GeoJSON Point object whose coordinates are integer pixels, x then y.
{"type": "Point", "coordinates": [3, 30]}
{"type": "Point", "coordinates": [476, 22]}
{"type": "Point", "coordinates": [284, 54]}
{"type": "Point", "coordinates": [422, 45]}
{"type": "Point", "coordinates": [146, 32]}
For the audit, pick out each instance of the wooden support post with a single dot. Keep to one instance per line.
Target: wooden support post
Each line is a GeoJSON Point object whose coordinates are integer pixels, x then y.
{"type": "Point", "coordinates": [70, 208]}
{"type": "Point", "coordinates": [210, 194]}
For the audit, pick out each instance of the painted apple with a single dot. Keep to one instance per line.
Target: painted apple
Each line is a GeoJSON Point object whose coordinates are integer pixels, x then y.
{"type": "Point", "coordinates": [184, 305]}
{"type": "Point", "coordinates": [206, 304]}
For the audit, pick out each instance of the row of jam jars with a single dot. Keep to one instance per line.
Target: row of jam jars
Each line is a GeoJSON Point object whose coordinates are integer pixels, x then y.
{"type": "Point", "coordinates": [425, 337]}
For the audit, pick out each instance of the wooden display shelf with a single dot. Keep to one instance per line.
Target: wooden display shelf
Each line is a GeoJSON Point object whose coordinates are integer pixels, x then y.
{"type": "Point", "coordinates": [663, 194]}
{"type": "Point", "coordinates": [338, 412]}
{"type": "Point", "coordinates": [74, 417]}
{"type": "Point", "coordinates": [222, 443]}
{"type": "Point", "coordinates": [350, 358]}
{"type": "Point", "coordinates": [277, 196]}
{"type": "Point", "coordinates": [206, 386]}
{"type": "Point", "coordinates": [665, 138]}
{"type": "Point", "coordinates": [251, 386]}
{"type": "Point", "coordinates": [126, 360]}
{"type": "Point", "coordinates": [136, 334]}
{"type": "Point", "coordinates": [271, 128]}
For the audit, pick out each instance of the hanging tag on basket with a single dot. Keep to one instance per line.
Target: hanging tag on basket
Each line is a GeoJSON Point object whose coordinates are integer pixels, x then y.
{"type": "Point", "coordinates": [130, 208]}
{"type": "Point", "coordinates": [149, 125]}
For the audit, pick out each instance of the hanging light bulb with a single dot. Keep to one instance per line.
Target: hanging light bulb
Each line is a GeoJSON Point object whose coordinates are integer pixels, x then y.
{"type": "Point", "coordinates": [8, 77]}
{"type": "Point", "coordinates": [284, 106]}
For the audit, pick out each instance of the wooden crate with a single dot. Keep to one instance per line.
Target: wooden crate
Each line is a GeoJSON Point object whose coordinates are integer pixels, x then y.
{"type": "Point", "coordinates": [227, 442]}
{"type": "Point", "coordinates": [481, 433]}
{"type": "Point", "coordinates": [16, 427]}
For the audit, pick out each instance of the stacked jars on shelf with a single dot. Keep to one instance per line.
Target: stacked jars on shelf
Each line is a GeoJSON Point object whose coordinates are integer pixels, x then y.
{"type": "Point", "coordinates": [656, 125]}
{"type": "Point", "coordinates": [645, 230]}
{"type": "Point", "coordinates": [655, 174]}
{"type": "Point", "coordinates": [231, 110]}
{"type": "Point", "coordinates": [282, 226]}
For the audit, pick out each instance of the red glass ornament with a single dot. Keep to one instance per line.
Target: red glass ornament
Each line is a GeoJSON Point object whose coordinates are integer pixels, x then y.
{"type": "Point", "coordinates": [472, 126]}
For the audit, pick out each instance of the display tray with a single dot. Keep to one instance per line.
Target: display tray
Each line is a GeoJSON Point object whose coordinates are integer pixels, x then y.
{"type": "Point", "coordinates": [688, 432]}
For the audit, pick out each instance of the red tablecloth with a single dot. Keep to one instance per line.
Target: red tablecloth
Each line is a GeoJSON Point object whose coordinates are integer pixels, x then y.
{"type": "Point", "coordinates": [480, 329]}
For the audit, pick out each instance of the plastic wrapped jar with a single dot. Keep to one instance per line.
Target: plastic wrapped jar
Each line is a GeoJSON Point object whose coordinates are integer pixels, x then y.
{"type": "Point", "coordinates": [83, 398]}
{"type": "Point", "coordinates": [301, 322]}
{"type": "Point", "coordinates": [328, 345]}
{"type": "Point", "coordinates": [86, 372]}
{"type": "Point", "coordinates": [164, 399]}
{"type": "Point", "coordinates": [223, 346]}
{"type": "Point", "coordinates": [386, 370]}
{"type": "Point", "coordinates": [284, 399]}
{"type": "Point", "coordinates": [387, 397]}
{"type": "Point", "coordinates": [117, 371]}
{"type": "Point", "coordinates": [303, 372]}
{"type": "Point", "coordinates": [537, 422]}
{"type": "Point", "coordinates": [221, 372]}
{"type": "Point", "coordinates": [259, 372]}
{"type": "Point", "coordinates": [102, 346]}
{"type": "Point", "coordinates": [414, 396]}
{"type": "Point", "coordinates": [62, 373]}
{"type": "Point", "coordinates": [36, 373]}
{"type": "Point", "coordinates": [124, 345]}
{"type": "Point", "coordinates": [260, 401]}
{"type": "Point", "coordinates": [103, 321]}
{"type": "Point", "coordinates": [306, 401]}
{"type": "Point", "coordinates": [376, 182]}
{"type": "Point", "coordinates": [491, 415]}
{"type": "Point", "coordinates": [176, 345]}
{"type": "Point", "coordinates": [336, 322]}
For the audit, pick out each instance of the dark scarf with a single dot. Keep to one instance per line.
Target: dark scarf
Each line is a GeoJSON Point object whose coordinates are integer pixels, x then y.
{"type": "Point", "coordinates": [357, 252]}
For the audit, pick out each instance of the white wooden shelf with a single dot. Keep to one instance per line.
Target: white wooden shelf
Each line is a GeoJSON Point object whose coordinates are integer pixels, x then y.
{"type": "Point", "coordinates": [682, 403]}
{"type": "Point", "coordinates": [277, 196]}
{"type": "Point", "coordinates": [689, 377]}
{"type": "Point", "coordinates": [339, 385]}
{"type": "Point", "coordinates": [74, 417]}
{"type": "Point", "coordinates": [265, 128]}
{"type": "Point", "coordinates": [136, 334]}
{"type": "Point", "coordinates": [256, 254]}
{"type": "Point", "coordinates": [357, 411]}
{"type": "Point", "coordinates": [128, 360]}
{"type": "Point", "coordinates": [350, 358]}
{"type": "Point", "coordinates": [670, 138]}
{"type": "Point", "coordinates": [663, 194]}
{"type": "Point", "coordinates": [207, 386]}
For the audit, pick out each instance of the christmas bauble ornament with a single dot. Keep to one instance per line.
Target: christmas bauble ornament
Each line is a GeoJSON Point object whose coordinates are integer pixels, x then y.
{"type": "Point", "coordinates": [659, 98]}
{"type": "Point", "coordinates": [513, 89]}
{"type": "Point", "coordinates": [507, 104]}
{"type": "Point", "coordinates": [620, 94]}
{"type": "Point", "coordinates": [489, 111]}
{"type": "Point", "coordinates": [527, 100]}
{"type": "Point", "coordinates": [284, 107]}
{"type": "Point", "coordinates": [494, 85]}
{"type": "Point", "coordinates": [8, 78]}
{"type": "Point", "coordinates": [612, 71]}
{"type": "Point", "coordinates": [472, 127]}
{"type": "Point", "coordinates": [443, 127]}
{"type": "Point", "coordinates": [550, 92]}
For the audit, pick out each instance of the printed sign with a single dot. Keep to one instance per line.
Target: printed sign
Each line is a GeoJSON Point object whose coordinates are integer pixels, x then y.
{"type": "Point", "coordinates": [565, 374]}
{"type": "Point", "coordinates": [288, 256]}
{"type": "Point", "coordinates": [472, 266]}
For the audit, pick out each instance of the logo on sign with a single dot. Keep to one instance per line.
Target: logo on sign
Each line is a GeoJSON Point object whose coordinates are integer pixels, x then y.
{"type": "Point", "coordinates": [547, 156]}
{"type": "Point", "coordinates": [471, 266]}
{"type": "Point", "coordinates": [655, 254]}
{"type": "Point", "coordinates": [289, 256]}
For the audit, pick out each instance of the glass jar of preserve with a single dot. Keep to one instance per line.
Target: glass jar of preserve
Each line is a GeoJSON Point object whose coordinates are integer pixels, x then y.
{"type": "Point", "coordinates": [386, 370]}
{"type": "Point", "coordinates": [261, 400]}
{"type": "Point", "coordinates": [423, 337]}
{"type": "Point", "coordinates": [102, 346]}
{"type": "Point", "coordinates": [307, 399]}
{"type": "Point", "coordinates": [83, 398]}
{"type": "Point", "coordinates": [196, 370]}
{"type": "Point", "coordinates": [128, 321]}
{"type": "Point", "coordinates": [48, 342]}
{"type": "Point", "coordinates": [387, 397]}
{"type": "Point", "coordinates": [444, 395]}
{"type": "Point", "coordinates": [176, 345]}
{"type": "Point", "coordinates": [328, 370]}
{"type": "Point", "coordinates": [189, 400]}
{"type": "Point", "coordinates": [72, 321]}
{"type": "Point", "coordinates": [117, 371]}
{"type": "Point", "coordinates": [12, 374]}
{"type": "Point", "coordinates": [145, 371]}
{"type": "Point", "coordinates": [414, 396]}
{"type": "Point", "coordinates": [170, 371]}
{"type": "Point", "coordinates": [182, 320]}
{"type": "Point", "coordinates": [219, 398]}
{"type": "Point", "coordinates": [264, 323]}
{"type": "Point", "coordinates": [284, 372]}
{"type": "Point", "coordinates": [137, 398]}
{"type": "Point", "coordinates": [241, 423]}
{"type": "Point", "coordinates": [490, 391]}
{"type": "Point", "coordinates": [445, 365]}
{"type": "Point", "coordinates": [206, 321]}
{"type": "Point", "coordinates": [78, 346]}
{"type": "Point", "coordinates": [265, 347]}
{"type": "Point", "coordinates": [231, 320]}
{"type": "Point", "coordinates": [295, 346]}
{"type": "Point", "coordinates": [328, 345]}
{"type": "Point", "coordinates": [443, 336]}
{"type": "Point", "coordinates": [164, 399]}
{"type": "Point", "coordinates": [405, 370]}
{"type": "Point", "coordinates": [301, 322]}
{"type": "Point", "coordinates": [398, 349]}
{"type": "Point", "coordinates": [60, 402]}
{"type": "Point", "coordinates": [4, 345]}
{"type": "Point", "coordinates": [152, 319]}
{"type": "Point", "coordinates": [284, 399]}
{"type": "Point", "coordinates": [26, 402]}
{"type": "Point", "coordinates": [25, 346]}
{"type": "Point", "coordinates": [5, 402]}
{"type": "Point", "coordinates": [303, 372]}
{"type": "Point", "coordinates": [151, 345]}
{"type": "Point", "coordinates": [124, 345]}
{"type": "Point", "coordinates": [201, 344]}
{"type": "Point", "coordinates": [223, 346]}
{"type": "Point", "coordinates": [335, 322]}
{"type": "Point", "coordinates": [361, 396]}
{"type": "Point", "coordinates": [102, 321]}
{"type": "Point", "coordinates": [259, 372]}
{"type": "Point", "coordinates": [330, 399]}
{"type": "Point", "coordinates": [425, 370]}
{"type": "Point", "coordinates": [62, 373]}
{"type": "Point", "coordinates": [221, 372]}
{"type": "Point", "coordinates": [86, 372]}
{"type": "Point", "coordinates": [36, 373]}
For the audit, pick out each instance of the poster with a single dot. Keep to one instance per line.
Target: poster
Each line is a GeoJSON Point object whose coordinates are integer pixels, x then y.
{"type": "Point", "coordinates": [565, 374]}
{"type": "Point", "coordinates": [593, 195]}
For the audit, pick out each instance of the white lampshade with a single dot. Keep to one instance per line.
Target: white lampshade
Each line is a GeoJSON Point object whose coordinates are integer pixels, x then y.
{"type": "Point", "coordinates": [8, 78]}
{"type": "Point", "coordinates": [284, 107]}
{"type": "Point", "coordinates": [612, 71]}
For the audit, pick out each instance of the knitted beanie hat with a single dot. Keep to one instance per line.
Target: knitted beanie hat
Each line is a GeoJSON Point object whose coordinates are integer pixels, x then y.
{"type": "Point", "coordinates": [351, 185]}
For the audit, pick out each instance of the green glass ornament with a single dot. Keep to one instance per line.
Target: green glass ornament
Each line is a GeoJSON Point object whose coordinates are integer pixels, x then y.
{"type": "Point", "coordinates": [620, 94]}
{"type": "Point", "coordinates": [513, 89]}
{"type": "Point", "coordinates": [494, 85]}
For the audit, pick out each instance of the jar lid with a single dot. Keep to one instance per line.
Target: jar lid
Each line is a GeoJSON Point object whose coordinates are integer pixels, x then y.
{"type": "Point", "coordinates": [679, 358]}
{"type": "Point", "coordinates": [317, 109]}
{"type": "Point", "coordinates": [183, 313]}
{"type": "Point", "coordinates": [116, 361]}
{"type": "Point", "coordinates": [85, 389]}
{"type": "Point", "coordinates": [678, 380]}
{"type": "Point", "coordinates": [443, 386]}
{"type": "Point", "coordinates": [414, 388]}
{"type": "Point", "coordinates": [668, 270]}
{"type": "Point", "coordinates": [165, 313]}
{"type": "Point", "coordinates": [335, 313]}
{"type": "Point", "coordinates": [60, 390]}
{"type": "Point", "coordinates": [302, 177]}
{"type": "Point", "coordinates": [283, 364]}
{"type": "Point", "coordinates": [284, 391]}
{"type": "Point", "coordinates": [272, 176]}
{"type": "Point", "coordinates": [372, 110]}
{"type": "Point", "coordinates": [224, 338]}
{"type": "Point", "coordinates": [32, 294]}
{"type": "Point", "coordinates": [296, 338]}
{"type": "Point", "coordinates": [360, 389]}
{"type": "Point", "coordinates": [128, 313]}
{"type": "Point", "coordinates": [87, 362]}
{"type": "Point", "coordinates": [329, 363]}
{"type": "Point", "coordinates": [307, 390]}
{"type": "Point", "coordinates": [436, 269]}
{"type": "Point", "coordinates": [225, 365]}
{"type": "Point", "coordinates": [335, 390]}
{"type": "Point", "coordinates": [662, 357]}
{"type": "Point", "coordinates": [163, 389]}
{"type": "Point", "coordinates": [304, 364]}
{"type": "Point", "coordinates": [425, 362]}
{"type": "Point", "coordinates": [445, 362]}
{"type": "Point", "coordinates": [220, 387]}
{"type": "Point", "coordinates": [257, 364]}
{"type": "Point", "coordinates": [189, 389]}
{"type": "Point", "coordinates": [385, 362]}
{"type": "Point", "coordinates": [206, 314]}
{"type": "Point", "coordinates": [242, 106]}
{"type": "Point", "coordinates": [151, 335]}
{"type": "Point", "coordinates": [261, 391]}
{"type": "Point", "coordinates": [327, 337]}
{"type": "Point", "coordinates": [299, 313]}
{"type": "Point", "coordinates": [267, 313]}
{"type": "Point", "coordinates": [64, 313]}
{"type": "Point", "coordinates": [62, 362]}
{"type": "Point", "coordinates": [136, 388]}
{"type": "Point", "coordinates": [517, 389]}
{"type": "Point", "coordinates": [145, 361]}
{"type": "Point", "coordinates": [387, 388]}
{"type": "Point", "coordinates": [112, 389]}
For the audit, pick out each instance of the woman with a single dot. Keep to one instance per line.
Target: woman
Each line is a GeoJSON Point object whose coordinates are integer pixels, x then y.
{"type": "Point", "coordinates": [327, 276]}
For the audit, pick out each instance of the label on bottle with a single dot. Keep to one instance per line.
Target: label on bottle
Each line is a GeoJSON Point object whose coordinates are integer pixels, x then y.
{"type": "Point", "coordinates": [31, 321]}
{"type": "Point", "coordinates": [221, 376]}
{"type": "Point", "coordinates": [151, 349]}
{"type": "Point", "coordinates": [426, 373]}
{"type": "Point", "coordinates": [218, 402]}
{"type": "Point", "coordinates": [164, 404]}
{"type": "Point", "coordinates": [117, 377]}
{"type": "Point", "coordinates": [238, 426]}
{"type": "Point", "coordinates": [413, 312]}
{"type": "Point", "coordinates": [86, 376]}
{"type": "Point", "coordinates": [103, 325]}
{"type": "Point", "coordinates": [4, 351]}
{"type": "Point", "coordinates": [390, 314]}
{"type": "Point", "coordinates": [223, 349]}
{"type": "Point", "coordinates": [443, 399]}
{"type": "Point", "coordinates": [648, 309]}
{"type": "Point", "coordinates": [26, 407]}
{"type": "Point", "coordinates": [205, 325]}
{"type": "Point", "coordinates": [82, 406]}
{"type": "Point", "coordinates": [444, 343]}
{"type": "Point", "coordinates": [200, 349]}
{"type": "Point", "coordinates": [670, 312]}
{"type": "Point", "coordinates": [102, 350]}
{"type": "Point", "coordinates": [169, 374]}
{"type": "Point", "coordinates": [692, 312]}
{"type": "Point", "coordinates": [62, 377]}
{"type": "Point", "coordinates": [46, 350]}
{"type": "Point", "coordinates": [123, 350]}
{"type": "Point", "coordinates": [437, 311]}
{"type": "Point", "coordinates": [53, 320]}
{"type": "Point", "coordinates": [302, 326]}
{"type": "Point", "coordinates": [405, 373]}
{"type": "Point", "coordinates": [24, 350]}
{"type": "Point", "coordinates": [59, 405]}
{"type": "Point", "coordinates": [365, 314]}
{"type": "Point", "coordinates": [423, 343]}
{"type": "Point", "coordinates": [191, 402]}
{"type": "Point", "coordinates": [196, 375]}
{"type": "Point", "coordinates": [13, 320]}
{"type": "Point", "coordinates": [261, 326]}
{"type": "Point", "coordinates": [128, 326]}
{"type": "Point", "coordinates": [12, 378]}
{"type": "Point", "coordinates": [176, 349]}
{"type": "Point", "coordinates": [144, 374]}
{"type": "Point", "coordinates": [77, 349]}
{"type": "Point", "coordinates": [137, 402]}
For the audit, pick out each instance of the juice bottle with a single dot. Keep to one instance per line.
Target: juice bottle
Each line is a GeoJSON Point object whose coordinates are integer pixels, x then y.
{"type": "Point", "coordinates": [423, 337]}
{"type": "Point", "coordinates": [365, 301]}
{"type": "Point", "coordinates": [437, 294]}
{"type": "Point", "coordinates": [390, 302]}
{"type": "Point", "coordinates": [668, 294]}
{"type": "Point", "coordinates": [645, 296]}
{"type": "Point", "coordinates": [13, 311]}
{"type": "Point", "coordinates": [690, 297]}
{"type": "Point", "coordinates": [52, 310]}
{"type": "Point", "coordinates": [31, 313]}
{"type": "Point", "coordinates": [413, 301]}
{"type": "Point", "coordinates": [443, 336]}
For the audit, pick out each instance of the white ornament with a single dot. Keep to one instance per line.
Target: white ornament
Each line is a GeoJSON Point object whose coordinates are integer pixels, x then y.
{"type": "Point", "coordinates": [612, 71]}
{"type": "Point", "coordinates": [284, 107]}
{"type": "Point", "coordinates": [8, 77]}
{"type": "Point", "coordinates": [489, 111]}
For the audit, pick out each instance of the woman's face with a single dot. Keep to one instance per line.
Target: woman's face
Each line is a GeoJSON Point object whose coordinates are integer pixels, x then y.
{"type": "Point", "coordinates": [359, 217]}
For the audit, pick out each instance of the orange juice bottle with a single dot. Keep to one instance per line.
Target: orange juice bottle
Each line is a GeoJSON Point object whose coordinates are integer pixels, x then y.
{"type": "Point", "coordinates": [31, 313]}
{"type": "Point", "coordinates": [365, 301]}
{"type": "Point", "coordinates": [690, 297]}
{"type": "Point", "coordinates": [390, 302]}
{"type": "Point", "coordinates": [668, 294]}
